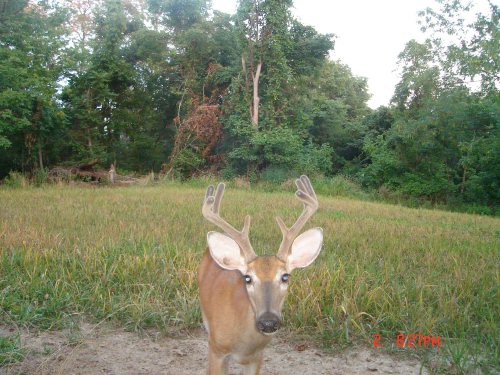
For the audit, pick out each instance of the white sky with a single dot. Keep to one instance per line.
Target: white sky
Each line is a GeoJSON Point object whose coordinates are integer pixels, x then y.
{"type": "Point", "coordinates": [370, 34]}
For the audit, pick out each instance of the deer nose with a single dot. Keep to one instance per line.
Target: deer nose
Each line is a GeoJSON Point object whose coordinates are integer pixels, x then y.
{"type": "Point", "coordinates": [268, 323]}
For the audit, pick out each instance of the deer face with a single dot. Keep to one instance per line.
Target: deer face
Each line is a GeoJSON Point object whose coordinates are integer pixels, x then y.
{"type": "Point", "coordinates": [266, 280]}
{"type": "Point", "coordinates": [266, 277]}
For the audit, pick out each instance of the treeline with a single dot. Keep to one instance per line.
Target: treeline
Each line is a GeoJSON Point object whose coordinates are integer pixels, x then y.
{"type": "Point", "coordinates": [177, 87]}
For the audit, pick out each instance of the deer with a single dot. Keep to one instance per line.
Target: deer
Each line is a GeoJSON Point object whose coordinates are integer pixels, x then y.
{"type": "Point", "coordinates": [242, 294]}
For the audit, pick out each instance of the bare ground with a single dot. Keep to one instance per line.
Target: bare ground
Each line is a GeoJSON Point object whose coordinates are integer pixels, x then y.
{"type": "Point", "coordinates": [95, 350]}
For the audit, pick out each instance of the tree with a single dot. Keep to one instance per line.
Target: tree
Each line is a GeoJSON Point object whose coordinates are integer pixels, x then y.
{"type": "Point", "coordinates": [121, 102]}
{"type": "Point", "coordinates": [467, 51]}
{"type": "Point", "coordinates": [419, 77]}
{"type": "Point", "coordinates": [207, 59]}
{"type": "Point", "coordinates": [261, 112]}
{"type": "Point", "coordinates": [329, 107]}
{"type": "Point", "coordinates": [178, 15]}
{"type": "Point", "coordinates": [265, 35]}
{"type": "Point", "coordinates": [31, 50]}
{"type": "Point", "coordinates": [439, 142]}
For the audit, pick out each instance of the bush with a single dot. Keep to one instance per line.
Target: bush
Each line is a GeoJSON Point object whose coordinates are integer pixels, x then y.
{"type": "Point", "coordinates": [41, 176]}
{"type": "Point", "coordinates": [228, 172]}
{"type": "Point", "coordinates": [186, 163]}
{"type": "Point", "coordinates": [316, 159]}
{"type": "Point", "coordinates": [16, 180]}
{"type": "Point", "coordinates": [338, 186]}
{"type": "Point", "coordinates": [277, 174]}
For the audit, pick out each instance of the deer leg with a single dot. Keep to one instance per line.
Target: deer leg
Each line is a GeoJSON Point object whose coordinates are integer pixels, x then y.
{"type": "Point", "coordinates": [217, 365]}
{"type": "Point", "coordinates": [253, 368]}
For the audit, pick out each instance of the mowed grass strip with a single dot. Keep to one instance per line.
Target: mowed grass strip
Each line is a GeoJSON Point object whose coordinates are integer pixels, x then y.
{"type": "Point", "coordinates": [131, 254]}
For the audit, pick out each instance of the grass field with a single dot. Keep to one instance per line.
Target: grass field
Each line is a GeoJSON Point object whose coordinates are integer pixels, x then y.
{"type": "Point", "coordinates": [130, 255]}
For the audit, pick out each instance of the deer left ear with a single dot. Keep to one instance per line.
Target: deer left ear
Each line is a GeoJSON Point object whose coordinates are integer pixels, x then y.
{"type": "Point", "coordinates": [226, 252]}
{"type": "Point", "coordinates": [305, 249]}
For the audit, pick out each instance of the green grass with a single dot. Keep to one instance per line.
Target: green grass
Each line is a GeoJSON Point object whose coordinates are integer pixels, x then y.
{"type": "Point", "coordinates": [131, 254]}
{"type": "Point", "coordinates": [10, 350]}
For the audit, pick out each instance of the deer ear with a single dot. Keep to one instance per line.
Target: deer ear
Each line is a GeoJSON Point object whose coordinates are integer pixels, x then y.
{"type": "Point", "coordinates": [226, 252]}
{"type": "Point", "coordinates": [305, 249]}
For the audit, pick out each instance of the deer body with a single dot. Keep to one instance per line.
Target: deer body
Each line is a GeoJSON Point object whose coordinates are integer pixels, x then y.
{"type": "Point", "coordinates": [242, 294]}
{"type": "Point", "coordinates": [223, 295]}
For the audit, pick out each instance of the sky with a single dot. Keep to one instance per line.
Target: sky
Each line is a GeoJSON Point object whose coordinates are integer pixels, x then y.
{"type": "Point", "coordinates": [370, 35]}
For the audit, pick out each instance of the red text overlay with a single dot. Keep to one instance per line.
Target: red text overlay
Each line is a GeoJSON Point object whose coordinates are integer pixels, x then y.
{"type": "Point", "coordinates": [411, 340]}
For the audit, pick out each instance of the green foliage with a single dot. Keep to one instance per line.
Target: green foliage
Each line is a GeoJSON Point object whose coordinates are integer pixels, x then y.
{"type": "Point", "coordinates": [15, 180]}
{"type": "Point", "coordinates": [338, 185]}
{"type": "Point", "coordinates": [438, 142]}
{"type": "Point", "coordinates": [31, 40]}
{"type": "Point", "coordinates": [277, 174]}
{"type": "Point", "coordinates": [440, 151]}
{"type": "Point", "coordinates": [126, 82]}
{"type": "Point", "coordinates": [483, 184]}
{"type": "Point", "coordinates": [308, 49]}
{"type": "Point", "coordinates": [419, 77]}
{"type": "Point", "coordinates": [40, 176]}
{"type": "Point", "coordinates": [281, 148]}
{"type": "Point", "coordinates": [330, 108]}
{"type": "Point", "coordinates": [316, 160]}
{"type": "Point", "coordinates": [466, 52]}
{"type": "Point", "coordinates": [123, 84]}
{"type": "Point", "coordinates": [179, 15]}
{"type": "Point", "coordinates": [120, 105]}
{"type": "Point", "coordinates": [186, 163]}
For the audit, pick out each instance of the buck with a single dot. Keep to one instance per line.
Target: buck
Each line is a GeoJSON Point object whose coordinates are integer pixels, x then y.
{"type": "Point", "coordinates": [242, 294]}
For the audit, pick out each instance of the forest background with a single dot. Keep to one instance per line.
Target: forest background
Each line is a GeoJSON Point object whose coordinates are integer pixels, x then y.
{"type": "Point", "coordinates": [175, 87]}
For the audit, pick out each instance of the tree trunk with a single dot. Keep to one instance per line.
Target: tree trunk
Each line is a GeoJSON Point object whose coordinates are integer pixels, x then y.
{"type": "Point", "coordinates": [462, 188]}
{"type": "Point", "coordinates": [88, 166]}
{"type": "Point", "coordinates": [112, 173]}
{"type": "Point", "coordinates": [40, 156]}
{"type": "Point", "coordinates": [36, 132]}
{"type": "Point", "coordinates": [244, 66]}
{"type": "Point", "coordinates": [88, 128]}
{"type": "Point", "coordinates": [89, 141]}
{"type": "Point", "coordinates": [256, 99]}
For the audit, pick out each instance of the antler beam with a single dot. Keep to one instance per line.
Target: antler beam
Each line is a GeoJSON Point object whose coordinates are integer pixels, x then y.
{"type": "Point", "coordinates": [210, 210]}
{"type": "Point", "coordinates": [306, 194]}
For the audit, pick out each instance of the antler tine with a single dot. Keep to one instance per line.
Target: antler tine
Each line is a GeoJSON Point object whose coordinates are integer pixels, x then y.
{"type": "Point", "coordinates": [218, 197]}
{"type": "Point", "coordinates": [209, 192]}
{"type": "Point", "coordinates": [210, 210]}
{"type": "Point", "coordinates": [308, 186]}
{"type": "Point", "coordinates": [306, 194]}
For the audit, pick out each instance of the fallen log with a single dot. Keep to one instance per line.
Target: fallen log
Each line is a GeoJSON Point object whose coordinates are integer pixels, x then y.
{"type": "Point", "coordinates": [87, 166]}
{"type": "Point", "coordinates": [85, 173]}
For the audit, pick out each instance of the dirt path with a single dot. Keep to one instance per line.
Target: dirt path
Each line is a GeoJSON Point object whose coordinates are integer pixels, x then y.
{"type": "Point", "coordinates": [95, 351]}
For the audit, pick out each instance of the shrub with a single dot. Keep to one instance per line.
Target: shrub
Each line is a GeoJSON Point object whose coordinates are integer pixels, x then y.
{"type": "Point", "coordinates": [277, 174]}
{"type": "Point", "coordinates": [16, 180]}
{"type": "Point", "coordinates": [186, 163]}
{"type": "Point", "coordinates": [338, 186]}
{"type": "Point", "coordinates": [41, 176]}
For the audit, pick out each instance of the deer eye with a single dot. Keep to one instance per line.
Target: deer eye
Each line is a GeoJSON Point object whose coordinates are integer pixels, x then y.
{"type": "Point", "coordinates": [248, 279]}
{"type": "Point", "coordinates": [284, 278]}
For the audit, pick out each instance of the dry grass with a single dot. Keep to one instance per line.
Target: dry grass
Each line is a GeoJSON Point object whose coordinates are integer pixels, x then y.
{"type": "Point", "coordinates": [130, 254]}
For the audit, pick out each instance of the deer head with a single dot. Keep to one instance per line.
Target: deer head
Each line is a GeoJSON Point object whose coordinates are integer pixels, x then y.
{"type": "Point", "coordinates": [264, 277]}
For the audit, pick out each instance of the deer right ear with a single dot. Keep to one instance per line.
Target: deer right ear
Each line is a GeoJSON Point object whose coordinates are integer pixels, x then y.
{"type": "Point", "coordinates": [305, 249]}
{"type": "Point", "coordinates": [226, 252]}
